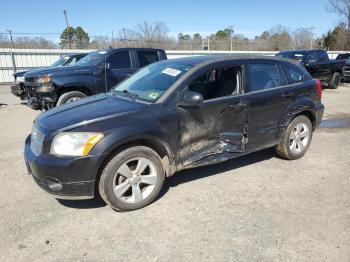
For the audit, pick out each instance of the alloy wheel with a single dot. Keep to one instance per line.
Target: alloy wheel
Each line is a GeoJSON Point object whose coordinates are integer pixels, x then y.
{"type": "Point", "coordinates": [299, 138]}
{"type": "Point", "coordinates": [135, 180]}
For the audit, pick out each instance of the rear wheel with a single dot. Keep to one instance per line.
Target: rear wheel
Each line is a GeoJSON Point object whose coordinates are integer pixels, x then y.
{"type": "Point", "coordinates": [296, 139]}
{"type": "Point", "coordinates": [335, 81]}
{"type": "Point", "coordinates": [70, 97]}
{"type": "Point", "coordinates": [132, 179]}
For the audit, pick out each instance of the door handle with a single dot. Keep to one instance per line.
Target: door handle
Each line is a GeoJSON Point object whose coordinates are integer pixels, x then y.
{"type": "Point", "coordinates": [288, 95]}
{"type": "Point", "coordinates": [128, 74]}
{"type": "Point", "coordinates": [237, 106]}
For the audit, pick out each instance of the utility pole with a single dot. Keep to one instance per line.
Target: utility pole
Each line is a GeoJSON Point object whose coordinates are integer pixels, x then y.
{"type": "Point", "coordinates": [231, 35]}
{"type": "Point", "coordinates": [69, 39]}
{"type": "Point", "coordinates": [10, 33]}
{"type": "Point", "coordinates": [112, 39]}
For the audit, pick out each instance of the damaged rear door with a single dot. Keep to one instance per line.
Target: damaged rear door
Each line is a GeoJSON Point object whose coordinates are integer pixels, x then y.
{"type": "Point", "coordinates": [216, 130]}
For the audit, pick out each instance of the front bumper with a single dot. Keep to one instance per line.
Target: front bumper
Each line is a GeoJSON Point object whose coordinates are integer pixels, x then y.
{"type": "Point", "coordinates": [18, 89]}
{"type": "Point", "coordinates": [65, 178]}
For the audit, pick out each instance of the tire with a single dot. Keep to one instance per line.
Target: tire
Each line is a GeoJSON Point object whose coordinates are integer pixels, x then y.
{"type": "Point", "coordinates": [128, 191]}
{"type": "Point", "coordinates": [70, 97]}
{"type": "Point", "coordinates": [294, 150]}
{"type": "Point", "coordinates": [335, 81]}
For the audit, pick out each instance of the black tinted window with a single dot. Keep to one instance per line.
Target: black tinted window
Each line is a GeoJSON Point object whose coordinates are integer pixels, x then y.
{"type": "Point", "coordinates": [119, 60]}
{"type": "Point", "coordinates": [294, 73]}
{"type": "Point", "coordinates": [322, 56]}
{"type": "Point", "coordinates": [147, 57]}
{"type": "Point", "coordinates": [311, 57]}
{"type": "Point", "coordinates": [264, 76]}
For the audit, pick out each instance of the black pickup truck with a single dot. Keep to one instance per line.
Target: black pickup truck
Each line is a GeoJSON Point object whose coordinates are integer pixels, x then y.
{"type": "Point", "coordinates": [18, 88]}
{"type": "Point", "coordinates": [96, 73]}
{"type": "Point", "coordinates": [317, 62]}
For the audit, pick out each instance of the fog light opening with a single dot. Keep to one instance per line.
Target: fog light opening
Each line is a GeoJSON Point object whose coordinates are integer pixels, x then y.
{"type": "Point", "coordinates": [54, 184]}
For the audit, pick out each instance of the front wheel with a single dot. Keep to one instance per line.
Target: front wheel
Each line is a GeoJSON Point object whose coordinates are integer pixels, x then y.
{"type": "Point", "coordinates": [296, 139]}
{"type": "Point", "coordinates": [70, 97]}
{"type": "Point", "coordinates": [132, 179]}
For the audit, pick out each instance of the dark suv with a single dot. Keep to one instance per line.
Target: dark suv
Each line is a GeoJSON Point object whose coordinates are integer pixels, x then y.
{"type": "Point", "coordinates": [96, 73]}
{"type": "Point", "coordinates": [172, 115]}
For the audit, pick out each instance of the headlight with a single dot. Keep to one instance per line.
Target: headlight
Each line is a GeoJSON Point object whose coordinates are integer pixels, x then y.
{"type": "Point", "coordinates": [20, 79]}
{"type": "Point", "coordinates": [74, 144]}
{"type": "Point", "coordinates": [44, 79]}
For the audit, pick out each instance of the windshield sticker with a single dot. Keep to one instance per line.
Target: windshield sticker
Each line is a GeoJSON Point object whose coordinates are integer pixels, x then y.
{"type": "Point", "coordinates": [102, 52]}
{"type": "Point", "coordinates": [153, 95]}
{"type": "Point", "coordinates": [171, 72]}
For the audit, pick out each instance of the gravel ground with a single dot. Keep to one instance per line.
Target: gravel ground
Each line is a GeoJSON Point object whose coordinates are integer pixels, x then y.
{"type": "Point", "coordinates": [254, 208]}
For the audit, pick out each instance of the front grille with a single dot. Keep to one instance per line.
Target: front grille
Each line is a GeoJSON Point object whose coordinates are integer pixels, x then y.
{"type": "Point", "coordinates": [37, 139]}
{"type": "Point", "coordinates": [29, 79]}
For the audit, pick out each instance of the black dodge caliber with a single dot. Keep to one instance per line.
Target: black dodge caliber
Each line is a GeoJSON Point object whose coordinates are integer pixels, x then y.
{"type": "Point", "coordinates": [169, 116]}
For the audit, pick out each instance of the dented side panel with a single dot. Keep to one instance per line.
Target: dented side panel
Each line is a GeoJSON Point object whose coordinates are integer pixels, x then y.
{"type": "Point", "coordinates": [215, 128]}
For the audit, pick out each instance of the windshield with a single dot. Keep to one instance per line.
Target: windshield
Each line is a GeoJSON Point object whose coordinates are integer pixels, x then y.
{"type": "Point", "coordinates": [343, 56]}
{"type": "Point", "coordinates": [91, 59]}
{"type": "Point", "coordinates": [61, 61]}
{"type": "Point", "coordinates": [292, 55]}
{"type": "Point", "coordinates": [151, 82]}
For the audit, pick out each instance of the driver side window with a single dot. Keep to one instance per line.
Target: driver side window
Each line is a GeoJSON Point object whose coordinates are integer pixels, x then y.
{"type": "Point", "coordinates": [218, 83]}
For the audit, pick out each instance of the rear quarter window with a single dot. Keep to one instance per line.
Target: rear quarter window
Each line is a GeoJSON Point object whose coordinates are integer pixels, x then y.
{"type": "Point", "coordinates": [147, 57]}
{"type": "Point", "coordinates": [295, 74]}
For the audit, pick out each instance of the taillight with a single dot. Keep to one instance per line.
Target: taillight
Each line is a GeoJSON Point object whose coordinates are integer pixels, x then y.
{"type": "Point", "coordinates": [319, 88]}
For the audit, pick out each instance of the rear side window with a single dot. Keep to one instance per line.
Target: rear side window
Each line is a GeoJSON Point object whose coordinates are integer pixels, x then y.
{"type": "Point", "coordinates": [147, 57]}
{"type": "Point", "coordinates": [294, 73]}
{"type": "Point", "coordinates": [119, 60]}
{"type": "Point", "coordinates": [264, 76]}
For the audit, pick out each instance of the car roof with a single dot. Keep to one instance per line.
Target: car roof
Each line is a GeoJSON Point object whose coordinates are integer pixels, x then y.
{"type": "Point", "coordinates": [131, 48]}
{"type": "Point", "coordinates": [301, 51]}
{"type": "Point", "coordinates": [207, 59]}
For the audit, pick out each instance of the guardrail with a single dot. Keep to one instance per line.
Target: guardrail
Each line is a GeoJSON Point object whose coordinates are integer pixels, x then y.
{"type": "Point", "coordinates": [12, 60]}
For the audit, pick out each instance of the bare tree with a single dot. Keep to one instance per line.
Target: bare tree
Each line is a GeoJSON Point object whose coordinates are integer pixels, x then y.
{"type": "Point", "coordinates": [152, 33]}
{"type": "Point", "coordinates": [280, 38]}
{"type": "Point", "coordinates": [341, 7]}
{"type": "Point", "coordinates": [303, 38]}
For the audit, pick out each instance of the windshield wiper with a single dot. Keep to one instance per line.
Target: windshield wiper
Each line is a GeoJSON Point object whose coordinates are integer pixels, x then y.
{"type": "Point", "coordinates": [126, 92]}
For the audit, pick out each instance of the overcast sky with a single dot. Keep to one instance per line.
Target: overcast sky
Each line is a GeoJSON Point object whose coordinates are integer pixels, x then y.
{"type": "Point", "coordinates": [248, 17]}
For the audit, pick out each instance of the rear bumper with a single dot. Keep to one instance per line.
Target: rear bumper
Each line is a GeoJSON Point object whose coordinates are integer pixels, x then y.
{"type": "Point", "coordinates": [65, 178]}
{"type": "Point", "coordinates": [319, 110]}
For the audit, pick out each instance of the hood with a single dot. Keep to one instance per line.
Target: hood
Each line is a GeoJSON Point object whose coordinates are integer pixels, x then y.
{"type": "Point", "coordinates": [19, 74]}
{"type": "Point", "coordinates": [87, 110]}
{"type": "Point", "coordinates": [57, 70]}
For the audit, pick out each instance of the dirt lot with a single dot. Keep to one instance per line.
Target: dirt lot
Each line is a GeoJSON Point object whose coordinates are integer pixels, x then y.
{"type": "Point", "coordinates": [254, 208]}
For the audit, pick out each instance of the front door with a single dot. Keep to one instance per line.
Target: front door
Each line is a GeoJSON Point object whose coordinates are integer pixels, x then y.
{"type": "Point", "coordinates": [215, 129]}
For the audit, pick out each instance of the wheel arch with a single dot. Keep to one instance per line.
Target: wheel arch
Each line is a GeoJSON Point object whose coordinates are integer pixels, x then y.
{"type": "Point", "coordinates": [160, 148]}
{"type": "Point", "coordinates": [65, 89]}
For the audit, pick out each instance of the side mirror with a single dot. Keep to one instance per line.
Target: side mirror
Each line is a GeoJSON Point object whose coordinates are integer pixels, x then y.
{"type": "Point", "coordinates": [191, 99]}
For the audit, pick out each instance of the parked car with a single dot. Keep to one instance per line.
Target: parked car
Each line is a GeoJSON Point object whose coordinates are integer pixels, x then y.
{"type": "Point", "coordinates": [318, 64]}
{"type": "Point", "coordinates": [169, 116]}
{"type": "Point", "coordinates": [96, 73]}
{"type": "Point", "coordinates": [18, 88]}
{"type": "Point", "coordinates": [344, 56]}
